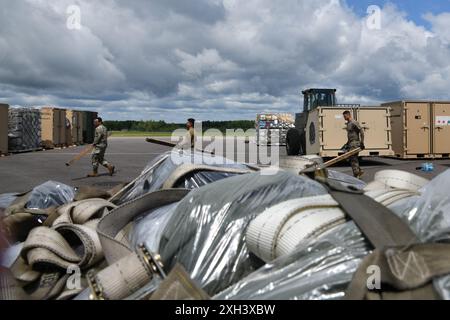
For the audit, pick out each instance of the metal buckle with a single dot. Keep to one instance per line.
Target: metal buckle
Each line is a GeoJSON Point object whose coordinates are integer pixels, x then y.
{"type": "Point", "coordinates": [96, 290]}
{"type": "Point", "coordinates": [153, 261]}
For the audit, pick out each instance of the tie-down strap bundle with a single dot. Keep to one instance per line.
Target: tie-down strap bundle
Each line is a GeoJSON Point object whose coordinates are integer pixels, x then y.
{"type": "Point", "coordinates": [406, 266]}
{"type": "Point", "coordinates": [50, 251]}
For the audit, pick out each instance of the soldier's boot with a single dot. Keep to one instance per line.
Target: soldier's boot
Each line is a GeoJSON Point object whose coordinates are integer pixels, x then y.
{"type": "Point", "coordinates": [93, 174]}
{"type": "Point", "coordinates": [360, 174]}
{"type": "Point", "coordinates": [111, 169]}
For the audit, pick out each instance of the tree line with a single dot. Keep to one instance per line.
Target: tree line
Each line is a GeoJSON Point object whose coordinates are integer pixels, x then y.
{"type": "Point", "coordinates": [162, 126]}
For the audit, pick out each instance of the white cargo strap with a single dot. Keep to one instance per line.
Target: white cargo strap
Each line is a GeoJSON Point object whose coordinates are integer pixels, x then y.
{"type": "Point", "coordinates": [389, 196]}
{"type": "Point", "coordinates": [279, 229]}
{"type": "Point", "coordinates": [128, 269]}
{"type": "Point", "coordinates": [188, 168]}
{"type": "Point", "coordinates": [396, 179]}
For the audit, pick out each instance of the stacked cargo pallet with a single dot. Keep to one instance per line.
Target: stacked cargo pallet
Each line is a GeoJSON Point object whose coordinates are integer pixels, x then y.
{"type": "Point", "coordinates": [274, 126]}
{"type": "Point", "coordinates": [74, 133]}
{"type": "Point", "coordinates": [420, 129]}
{"type": "Point", "coordinates": [88, 126]}
{"type": "Point", "coordinates": [4, 128]}
{"type": "Point", "coordinates": [24, 130]}
{"type": "Point", "coordinates": [53, 127]}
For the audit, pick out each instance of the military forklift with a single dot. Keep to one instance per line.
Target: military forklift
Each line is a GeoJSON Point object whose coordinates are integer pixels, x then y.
{"type": "Point", "coordinates": [320, 128]}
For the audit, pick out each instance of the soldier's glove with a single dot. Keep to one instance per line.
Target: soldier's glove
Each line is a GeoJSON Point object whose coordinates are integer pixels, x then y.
{"type": "Point", "coordinates": [362, 146]}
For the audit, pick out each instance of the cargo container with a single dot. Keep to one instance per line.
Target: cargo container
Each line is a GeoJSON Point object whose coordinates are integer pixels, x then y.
{"type": "Point", "coordinates": [440, 126]}
{"type": "Point", "coordinates": [74, 133]}
{"type": "Point", "coordinates": [24, 129]}
{"type": "Point", "coordinates": [53, 127]}
{"type": "Point", "coordinates": [4, 128]}
{"type": "Point", "coordinates": [88, 126]}
{"type": "Point", "coordinates": [321, 128]}
{"type": "Point", "coordinates": [420, 129]}
{"type": "Point", "coordinates": [326, 130]}
{"type": "Point", "coordinates": [273, 126]}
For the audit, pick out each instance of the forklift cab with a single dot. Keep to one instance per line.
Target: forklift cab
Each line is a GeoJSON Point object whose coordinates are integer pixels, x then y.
{"type": "Point", "coordinates": [313, 98]}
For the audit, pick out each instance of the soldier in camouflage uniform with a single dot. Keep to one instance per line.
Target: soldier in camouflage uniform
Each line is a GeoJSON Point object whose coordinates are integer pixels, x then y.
{"type": "Point", "coordinates": [188, 141]}
{"type": "Point", "coordinates": [355, 134]}
{"type": "Point", "coordinates": [100, 144]}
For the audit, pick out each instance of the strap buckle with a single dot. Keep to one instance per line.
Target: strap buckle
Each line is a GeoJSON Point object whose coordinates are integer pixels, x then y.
{"type": "Point", "coordinates": [96, 290]}
{"type": "Point", "coordinates": [153, 261]}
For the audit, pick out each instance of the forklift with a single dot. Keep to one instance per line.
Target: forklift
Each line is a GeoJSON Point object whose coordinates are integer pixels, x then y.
{"type": "Point", "coordinates": [313, 98]}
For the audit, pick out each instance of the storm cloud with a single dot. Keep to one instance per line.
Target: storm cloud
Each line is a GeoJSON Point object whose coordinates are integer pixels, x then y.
{"type": "Point", "coordinates": [214, 59]}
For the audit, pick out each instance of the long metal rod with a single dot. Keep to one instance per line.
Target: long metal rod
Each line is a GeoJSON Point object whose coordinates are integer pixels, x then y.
{"type": "Point", "coordinates": [173, 145]}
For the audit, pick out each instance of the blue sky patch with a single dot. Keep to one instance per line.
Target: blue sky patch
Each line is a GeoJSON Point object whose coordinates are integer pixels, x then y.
{"type": "Point", "coordinates": [415, 9]}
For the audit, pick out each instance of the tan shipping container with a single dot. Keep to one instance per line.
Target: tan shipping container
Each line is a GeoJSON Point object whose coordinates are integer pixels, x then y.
{"type": "Point", "coordinates": [440, 125]}
{"type": "Point", "coordinates": [74, 134]}
{"type": "Point", "coordinates": [326, 131]}
{"type": "Point", "coordinates": [53, 125]}
{"type": "Point", "coordinates": [4, 128]}
{"type": "Point", "coordinates": [420, 129]}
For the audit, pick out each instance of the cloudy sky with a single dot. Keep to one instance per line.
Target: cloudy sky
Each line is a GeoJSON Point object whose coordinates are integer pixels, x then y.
{"type": "Point", "coordinates": [219, 59]}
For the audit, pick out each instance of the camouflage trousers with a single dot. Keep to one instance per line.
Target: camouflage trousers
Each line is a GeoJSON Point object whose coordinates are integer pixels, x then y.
{"type": "Point", "coordinates": [98, 158]}
{"type": "Point", "coordinates": [354, 160]}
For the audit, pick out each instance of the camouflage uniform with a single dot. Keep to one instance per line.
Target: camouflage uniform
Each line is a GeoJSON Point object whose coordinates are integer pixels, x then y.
{"type": "Point", "coordinates": [188, 141]}
{"type": "Point", "coordinates": [100, 143]}
{"type": "Point", "coordinates": [354, 132]}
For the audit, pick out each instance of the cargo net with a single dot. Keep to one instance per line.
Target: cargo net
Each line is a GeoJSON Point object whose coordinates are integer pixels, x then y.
{"type": "Point", "coordinates": [24, 129]}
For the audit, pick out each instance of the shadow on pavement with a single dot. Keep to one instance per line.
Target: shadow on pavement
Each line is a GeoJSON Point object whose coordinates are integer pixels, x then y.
{"type": "Point", "coordinates": [364, 163]}
{"type": "Point", "coordinates": [93, 179]}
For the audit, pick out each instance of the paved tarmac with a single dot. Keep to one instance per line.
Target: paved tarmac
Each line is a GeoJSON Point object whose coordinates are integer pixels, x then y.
{"type": "Point", "coordinates": [21, 172]}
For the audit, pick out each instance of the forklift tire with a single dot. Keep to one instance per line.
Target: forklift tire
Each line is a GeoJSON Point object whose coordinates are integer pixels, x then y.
{"type": "Point", "coordinates": [293, 142]}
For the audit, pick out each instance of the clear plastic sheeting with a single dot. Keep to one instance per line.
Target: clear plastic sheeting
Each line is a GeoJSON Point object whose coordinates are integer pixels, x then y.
{"type": "Point", "coordinates": [206, 233]}
{"type": "Point", "coordinates": [429, 217]}
{"type": "Point", "coordinates": [346, 179]}
{"type": "Point", "coordinates": [429, 214]}
{"type": "Point", "coordinates": [160, 169]}
{"type": "Point", "coordinates": [319, 269]}
{"type": "Point", "coordinates": [50, 194]}
{"type": "Point", "coordinates": [148, 228]}
{"type": "Point", "coordinates": [7, 199]}
{"type": "Point", "coordinates": [322, 268]}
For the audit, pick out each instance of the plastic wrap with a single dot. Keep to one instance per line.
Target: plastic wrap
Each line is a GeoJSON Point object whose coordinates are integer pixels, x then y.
{"type": "Point", "coordinates": [50, 194]}
{"type": "Point", "coordinates": [346, 179]}
{"type": "Point", "coordinates": [159, 170]}
{"type": "Point", "coordinates": [322, 268]}
{"type": "Point", "coordinates": [318, 269]}
{"type": "Point", "coordinates": [7, 199]}
{"type": "Point", "coordinates": [429, 217]}
{"type": "Point", "coordinates": [148, 228]}
{"type": "Point", "coordinates": [206, 233]}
